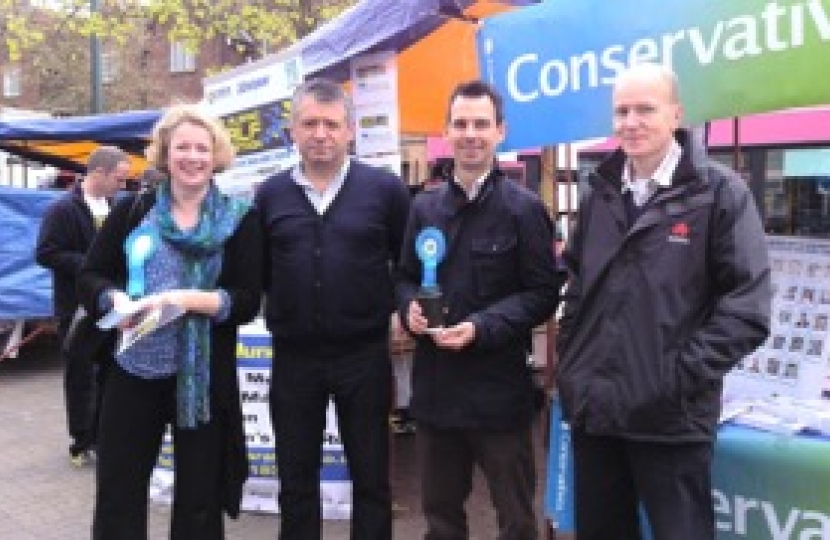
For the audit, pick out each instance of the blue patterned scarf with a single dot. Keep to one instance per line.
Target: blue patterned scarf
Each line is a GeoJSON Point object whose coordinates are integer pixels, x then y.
{"type": "Point", "coordinates": [202, 250]}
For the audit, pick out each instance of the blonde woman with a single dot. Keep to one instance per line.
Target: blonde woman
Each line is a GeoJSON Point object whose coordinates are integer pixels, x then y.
{"type": "Point", "coordinates": [205, 257]}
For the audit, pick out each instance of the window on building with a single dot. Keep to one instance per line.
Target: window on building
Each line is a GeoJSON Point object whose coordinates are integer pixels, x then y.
{"type": "Point", "coordinates": [797, 195]}
{"type": "Point", "coordinates": [11, 81]}
{"type": "Point", "coordinates": [181, 59]}
{"type": "Point", "coordinates": [109, 67]}
{"type": "Point", "coordinates": [793, 187]}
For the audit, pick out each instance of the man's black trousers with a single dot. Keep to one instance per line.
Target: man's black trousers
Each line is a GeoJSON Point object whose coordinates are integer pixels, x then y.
{"type": "Point", "coordinates": [358, 378]}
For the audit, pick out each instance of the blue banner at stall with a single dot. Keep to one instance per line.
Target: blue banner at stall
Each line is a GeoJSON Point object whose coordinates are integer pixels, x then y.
{"type": "Point", "coordinates": [559, 489]}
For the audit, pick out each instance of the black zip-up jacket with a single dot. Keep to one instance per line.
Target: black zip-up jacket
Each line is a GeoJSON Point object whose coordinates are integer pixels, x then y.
{"type": "Point", "coordinates": [65, 235]}
{"type": "Point", "coordinates": [656, 314]}
{"type": "Point", "coordinates": [500, 274]}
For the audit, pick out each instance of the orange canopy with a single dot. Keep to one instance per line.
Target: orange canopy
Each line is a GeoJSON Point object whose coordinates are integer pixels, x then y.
{"type": "Point", "coordinates": [431, 68]}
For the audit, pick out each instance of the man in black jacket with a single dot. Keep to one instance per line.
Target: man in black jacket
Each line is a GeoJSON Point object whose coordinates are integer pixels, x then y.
{"type": "Point", "coordinates": [333, 229]}
{"type": "Point", "coordinates": [65, 235]}
{"type": "Point", "coordinates": [669, 288]}
{"type": "Point", "coordinates": [472, 395]}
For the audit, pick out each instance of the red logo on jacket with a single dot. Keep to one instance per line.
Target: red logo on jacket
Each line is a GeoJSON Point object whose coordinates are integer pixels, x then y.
{"type": "Point", "coordinates": [680, 232]}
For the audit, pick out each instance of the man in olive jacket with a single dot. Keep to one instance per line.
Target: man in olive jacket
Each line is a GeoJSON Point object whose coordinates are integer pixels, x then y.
{"type": "Point", "coordinates": [669, 288]}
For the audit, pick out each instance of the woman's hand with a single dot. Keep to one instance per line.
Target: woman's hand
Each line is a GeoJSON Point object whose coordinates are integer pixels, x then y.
{"type": "Point", "coordinates": [119, 299]}
{"type": "Point", "coordinates": [150, 304]}
{"type": "Point", "coordinates": [174, 297]}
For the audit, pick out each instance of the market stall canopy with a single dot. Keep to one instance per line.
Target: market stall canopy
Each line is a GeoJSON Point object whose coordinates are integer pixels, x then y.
{"type": "Point", "coordinates": [435, 39]}
{"type": "Point", "coordinates": [66, 143]}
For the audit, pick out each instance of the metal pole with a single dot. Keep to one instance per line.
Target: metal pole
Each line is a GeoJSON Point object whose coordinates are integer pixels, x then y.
{"type": "Point", "coordinates": [737, 162]}
{"type": "Point", "coordinates": [96, 102]}
{"type": "Point", "coordinates": [569, 182]}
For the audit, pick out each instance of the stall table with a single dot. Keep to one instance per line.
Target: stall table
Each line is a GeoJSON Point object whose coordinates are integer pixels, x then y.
{"type": "Point", "coordinates": [765, 485]}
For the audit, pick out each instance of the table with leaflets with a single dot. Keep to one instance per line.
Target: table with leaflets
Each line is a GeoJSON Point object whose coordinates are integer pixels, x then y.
{"type": "Point", "coordinates": [771, 470]}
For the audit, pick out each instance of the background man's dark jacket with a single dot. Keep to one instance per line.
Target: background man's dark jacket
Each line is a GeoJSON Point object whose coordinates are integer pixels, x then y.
{"type": "Point", "coordinates": [65, 235]}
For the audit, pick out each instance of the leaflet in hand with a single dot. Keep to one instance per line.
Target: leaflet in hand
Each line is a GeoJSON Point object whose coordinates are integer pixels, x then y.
{"type": "Point", "coordinates": [141, 317]}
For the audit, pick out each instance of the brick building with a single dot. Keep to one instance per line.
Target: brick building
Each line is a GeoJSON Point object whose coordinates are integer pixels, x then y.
{"type": "Point", "coordinates": [148, 71]}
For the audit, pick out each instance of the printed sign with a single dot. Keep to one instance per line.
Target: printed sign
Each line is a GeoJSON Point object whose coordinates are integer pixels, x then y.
{"type": "Point", "coordinates": [254, 103]}
{"type": "Point", "coordinates": [555, 62]}
{"type": "Point", "coordinates": [375, 95]}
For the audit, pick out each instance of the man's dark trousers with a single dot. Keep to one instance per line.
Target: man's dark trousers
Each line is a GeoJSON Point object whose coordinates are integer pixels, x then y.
{"type": "Point", "coordinates": [672, 481]}
{"type": "Point", "coordinates": [358, 378]}
{"type": "Point", "coordinates": [448, 457]}
{"type": "Point", "coordinates": [80, 394]}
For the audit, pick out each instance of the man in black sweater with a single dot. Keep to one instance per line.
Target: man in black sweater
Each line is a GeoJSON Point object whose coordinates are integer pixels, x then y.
{"type": "Point", "coordinates": [65, 235]}
{"type": "Point", "coordinates": [334, 228]}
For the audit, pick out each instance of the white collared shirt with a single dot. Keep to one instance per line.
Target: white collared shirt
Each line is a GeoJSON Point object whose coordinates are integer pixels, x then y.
{"type": "Point", "coordinates": [321, 200]}
{"type": "Point", "coordinates": [99, 207]}
{"type": "Point", "coordinates": [475, 187]}
{"type": "Point", "coordinates": [643, 188]}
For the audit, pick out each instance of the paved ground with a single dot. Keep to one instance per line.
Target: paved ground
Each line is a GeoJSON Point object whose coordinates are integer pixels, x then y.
{"type": "Point", "coordinates": [43, 498]}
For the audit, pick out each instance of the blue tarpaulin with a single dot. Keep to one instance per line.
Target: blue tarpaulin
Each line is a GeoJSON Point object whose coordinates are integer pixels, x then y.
{"type": "Point", "coordinates": [107, 128]}
{"type": "Point", "coordinates": [25, 287]}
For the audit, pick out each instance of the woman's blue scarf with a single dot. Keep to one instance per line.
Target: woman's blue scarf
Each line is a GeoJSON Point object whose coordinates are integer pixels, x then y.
{"type": "Point", "coordinates": [201, 247]}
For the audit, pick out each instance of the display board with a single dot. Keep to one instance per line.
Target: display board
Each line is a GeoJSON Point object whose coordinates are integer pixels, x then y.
{"type": "Point", "coordinates": [254, 103]}
{"type": "Point", "coordinates": [795, 360]}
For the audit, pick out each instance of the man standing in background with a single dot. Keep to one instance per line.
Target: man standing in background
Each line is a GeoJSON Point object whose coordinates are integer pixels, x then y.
{"type": "Point", "coordinates": [66, 233]}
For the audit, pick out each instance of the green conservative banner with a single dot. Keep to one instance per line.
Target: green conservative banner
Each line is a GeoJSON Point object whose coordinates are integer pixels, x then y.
{"type": "Point", "coordinates": [555, 62]}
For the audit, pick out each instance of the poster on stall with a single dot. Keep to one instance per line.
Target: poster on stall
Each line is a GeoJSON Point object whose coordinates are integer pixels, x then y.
{"type": "Point", "coordinates": [795, 360]}
{"type": "Point", "coordinates": [375, 96]}
{"type": "Point", "coordinates": [254, 356]}
{"type": "Point", "coordinates": [253, 101]}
